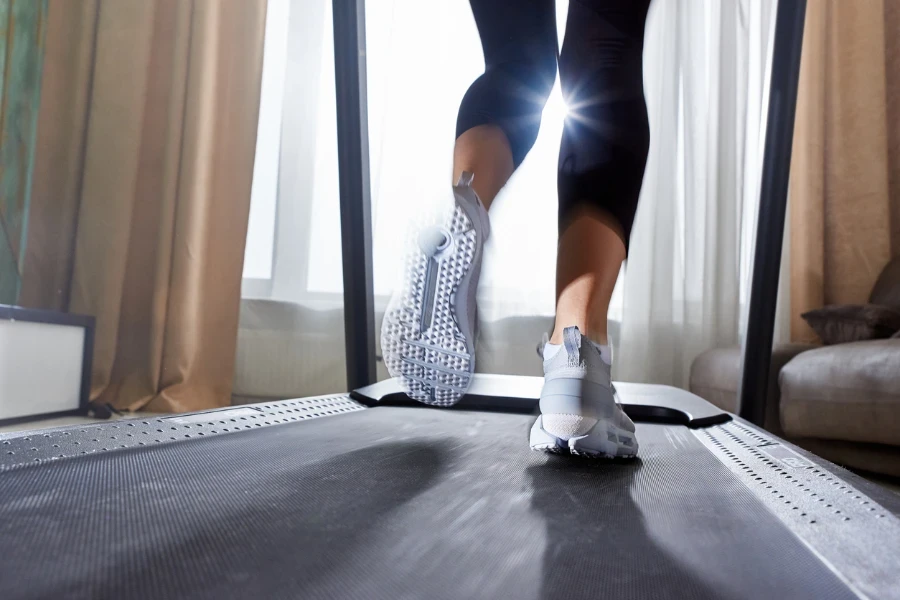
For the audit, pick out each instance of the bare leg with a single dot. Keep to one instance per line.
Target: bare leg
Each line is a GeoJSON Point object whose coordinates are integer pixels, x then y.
{"type": "Point", "coordinates": [602, 157]}
{"type": "Point", "coordinates": [589, 257]}
{"type": "Point", "coordinates": [485, 152]}
{"type": "Point", "coordinates": [601, 165]}
{"type": "Point", "coordinates": [590, 252]}
{"type": "Point", "coordinates": [579, 412]}
{"type": "Point", "coordinates": [498, 122]}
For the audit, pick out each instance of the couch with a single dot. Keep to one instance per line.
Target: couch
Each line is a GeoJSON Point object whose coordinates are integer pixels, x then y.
{"type": "Point", "coordinates": [840, 400]}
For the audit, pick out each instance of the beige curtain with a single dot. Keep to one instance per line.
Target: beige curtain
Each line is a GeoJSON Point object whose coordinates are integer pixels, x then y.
{"type": "Point", "coordinates": [144, 162]}
{"type": "Point", "coordinates": [845, 173]}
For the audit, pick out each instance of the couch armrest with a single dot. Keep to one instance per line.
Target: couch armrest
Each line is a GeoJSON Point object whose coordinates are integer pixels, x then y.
{"type": "Point", "coordinates": [716, 377]}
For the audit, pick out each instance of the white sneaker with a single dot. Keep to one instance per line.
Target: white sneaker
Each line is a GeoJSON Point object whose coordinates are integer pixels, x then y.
{"type": "Point", "coordinates": [579, 412]}
{"type": "Point", "coordinates": [428, 334]}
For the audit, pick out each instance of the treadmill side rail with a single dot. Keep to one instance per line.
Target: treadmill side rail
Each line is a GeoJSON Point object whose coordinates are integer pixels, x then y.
{"type": "Point", "coordinates": [507, 393]}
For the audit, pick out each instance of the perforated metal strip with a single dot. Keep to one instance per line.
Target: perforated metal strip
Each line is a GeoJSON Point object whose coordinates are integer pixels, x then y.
{"type": "Point", "coordinates": [53, 444]}
{"type": "Point", "coordinates": [836, 520]}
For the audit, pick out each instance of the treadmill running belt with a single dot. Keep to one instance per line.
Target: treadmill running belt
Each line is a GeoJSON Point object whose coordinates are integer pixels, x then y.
{"type": "Point", "coordinates": [396, 503]}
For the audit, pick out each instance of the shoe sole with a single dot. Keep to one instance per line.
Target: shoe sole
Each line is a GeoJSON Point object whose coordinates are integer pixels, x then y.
{"type": "Point", "coordinates": [604, 440]}
{"type": "Point", "coordinates": [424, 338]}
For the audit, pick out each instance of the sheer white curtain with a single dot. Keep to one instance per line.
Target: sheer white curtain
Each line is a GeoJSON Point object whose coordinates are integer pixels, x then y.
{"type": "Point", "coordinates": [684, 285]}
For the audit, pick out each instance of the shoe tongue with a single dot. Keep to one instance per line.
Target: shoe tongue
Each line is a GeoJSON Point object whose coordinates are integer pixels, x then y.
{"type": "Point", "coordinates": [572, 340]}
{"type": "Point", "coordinates": [545, 339]}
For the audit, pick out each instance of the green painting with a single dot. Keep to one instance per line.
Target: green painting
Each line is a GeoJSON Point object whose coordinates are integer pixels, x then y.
{"type": "Point", "coordinates": [21, 57]}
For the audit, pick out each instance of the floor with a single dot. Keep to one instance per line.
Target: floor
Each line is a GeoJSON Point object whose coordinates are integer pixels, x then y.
{"type": "Point", "coordinates": [885, 482]}
{"type": "Point", "coordinates": [9, 430]}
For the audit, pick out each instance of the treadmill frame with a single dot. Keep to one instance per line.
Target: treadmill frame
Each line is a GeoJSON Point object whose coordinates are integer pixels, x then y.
{"type": "Point", "coordinates": [356, 230]}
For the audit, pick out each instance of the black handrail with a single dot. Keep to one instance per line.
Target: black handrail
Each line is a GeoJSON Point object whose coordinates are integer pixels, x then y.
{"type": "Point", "coordinates": [757, 357]}
{"type": "Point", "coordinates": [353, 174]}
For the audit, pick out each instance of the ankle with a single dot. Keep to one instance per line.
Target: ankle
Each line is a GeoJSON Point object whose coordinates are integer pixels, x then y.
{"type": "Point", "coordinates": [553, 348]}
{"type": "Point", "coordinates": [597, 335]}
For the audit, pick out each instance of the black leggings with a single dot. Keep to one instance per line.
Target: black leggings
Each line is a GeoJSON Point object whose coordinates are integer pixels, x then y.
{"type": "Point", "coordinates": [607, 135]}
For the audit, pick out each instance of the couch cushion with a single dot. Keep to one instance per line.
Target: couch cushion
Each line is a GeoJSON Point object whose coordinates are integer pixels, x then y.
{"type": "Point", "coordinates": [286, 350]}
{"type": "Point", "coordinates": [289, 350]}
{"type": "Point", "coordinates": [886, 290]}
{"type": "Point", "coordinates": [844, 323]}
{"type": "Point", "coordinates": [716, 377]}
{"type": "Point", "coordinates": [844, 392]}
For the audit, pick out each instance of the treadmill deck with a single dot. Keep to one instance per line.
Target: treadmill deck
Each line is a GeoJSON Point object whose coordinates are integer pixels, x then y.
{"type": "Point", "coordinates": [421, 503]}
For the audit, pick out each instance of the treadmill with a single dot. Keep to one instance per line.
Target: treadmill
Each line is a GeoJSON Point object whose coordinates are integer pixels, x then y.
{"type": "Point", "coordinates": [366, 495]}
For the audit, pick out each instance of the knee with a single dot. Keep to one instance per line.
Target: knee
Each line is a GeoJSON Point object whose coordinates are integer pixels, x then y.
{"type": "Point", "coordinates": [527, 86]}
{"type": "Point", "coordinates": [511, 95]}
{"type": "Point", "coordinates": [602, 159]}
{"type": "Point", "coordinates": [533, 76]}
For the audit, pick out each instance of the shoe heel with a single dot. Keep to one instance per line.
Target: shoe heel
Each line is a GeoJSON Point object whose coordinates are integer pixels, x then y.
{"type": "Point", "coordinates": [541, 440]}
{"type": "Point", "coordinates": [566, 426]}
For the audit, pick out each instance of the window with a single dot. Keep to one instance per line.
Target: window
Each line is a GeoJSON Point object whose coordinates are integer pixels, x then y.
{"type": "Point", "coordinates": [421, 59]}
